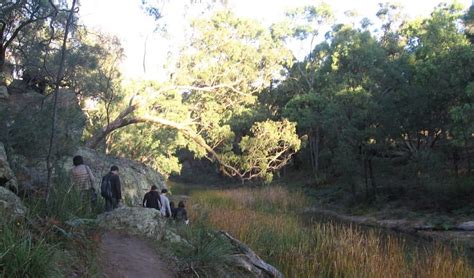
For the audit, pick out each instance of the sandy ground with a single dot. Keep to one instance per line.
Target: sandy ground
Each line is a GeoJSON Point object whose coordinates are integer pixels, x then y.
{"type": "Point", "coordinates": [125, 256]}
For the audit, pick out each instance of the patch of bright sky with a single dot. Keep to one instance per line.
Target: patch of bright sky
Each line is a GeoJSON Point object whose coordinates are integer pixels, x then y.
{"type": "Point", "coordinates": [126, 20]}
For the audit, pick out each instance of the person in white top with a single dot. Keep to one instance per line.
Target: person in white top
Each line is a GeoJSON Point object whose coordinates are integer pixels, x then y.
{"type": "Point", "coordinates": [165, 203]}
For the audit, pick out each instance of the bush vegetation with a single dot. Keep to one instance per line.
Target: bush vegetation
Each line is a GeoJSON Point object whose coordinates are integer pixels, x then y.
{"type": "Point", "coordinates": [267, 219]}
{"type": "Point", "coordinates": [43, 244]}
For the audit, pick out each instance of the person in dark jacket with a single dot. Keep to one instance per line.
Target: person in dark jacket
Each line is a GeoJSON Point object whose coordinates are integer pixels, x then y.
{"type": "Point", "coordinates": [173, 210]}
{"type": "Point", "coordinates": [152, 199]}
{"type": "Point", "coordinates": [181, 214]}
{"type": "Point", "coordinates": [114, 201]}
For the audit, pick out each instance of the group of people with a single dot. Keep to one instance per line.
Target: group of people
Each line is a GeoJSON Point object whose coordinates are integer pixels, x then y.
{"type": "Point", "coordinates": [158, 201]}
{"type": "Point", "coordinates": [110, 189]}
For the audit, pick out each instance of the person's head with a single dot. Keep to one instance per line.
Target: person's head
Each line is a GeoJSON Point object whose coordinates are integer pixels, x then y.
{"type": "Point", "coordinates": [153, 187]}
{"type": "Point", "coordinates": [164, 191]}
{"type": "Point", "coordinates": [171, 204]}
{"type": "Point", "coordinates": [114, 169]}
{"type": "Point", "coordinates": [181, 204]}
{"type": "Point", "coordinates": [77, 160]}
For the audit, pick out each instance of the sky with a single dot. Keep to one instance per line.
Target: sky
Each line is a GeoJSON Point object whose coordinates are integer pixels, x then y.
{"type": "Point", "coordinates": [136, 31]}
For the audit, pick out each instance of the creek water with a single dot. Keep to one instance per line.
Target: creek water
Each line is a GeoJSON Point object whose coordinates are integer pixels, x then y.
{"type": "Point", "coordinates": [411, 242]}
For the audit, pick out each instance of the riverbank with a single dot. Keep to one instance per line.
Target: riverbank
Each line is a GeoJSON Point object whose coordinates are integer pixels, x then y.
{"type": "Point", "coordinates": [418, 228]}
{"type": "Point", "coordinates": [269, 220]}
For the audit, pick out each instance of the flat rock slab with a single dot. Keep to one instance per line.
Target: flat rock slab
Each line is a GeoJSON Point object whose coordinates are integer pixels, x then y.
{"type": "Point", "coordinates": [466, 226]}
{"type": "Point", "coordinates": [125, 256]}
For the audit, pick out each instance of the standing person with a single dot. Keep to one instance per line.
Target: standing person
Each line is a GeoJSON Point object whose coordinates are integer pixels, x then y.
{"type": "Point", "coordinates": [165, 203]}
{"type": "Point", "coordinates": [173, 210]}
{"type": "Point", "coordinates": [111, 189]}
{"type": "Point", "coordinates": [181, 213]}
{"type": "Point", "coordinates": [152, 199]}
{"type": "Point", "coordinates": [83, 180]}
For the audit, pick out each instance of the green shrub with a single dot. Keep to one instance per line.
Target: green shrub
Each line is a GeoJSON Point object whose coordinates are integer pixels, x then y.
{"type": "Point", "coordinates": [205, 253]}
{"type": "Point", "coordinates": [22, 255]}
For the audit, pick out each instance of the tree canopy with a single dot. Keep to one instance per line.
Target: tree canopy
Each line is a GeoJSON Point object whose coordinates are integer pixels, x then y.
{"type": "Point", "coordinates": [363, 95]}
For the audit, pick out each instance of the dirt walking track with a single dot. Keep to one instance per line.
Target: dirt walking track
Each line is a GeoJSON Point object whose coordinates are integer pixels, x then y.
{"type": "Point", "coordinates": [125, 256]}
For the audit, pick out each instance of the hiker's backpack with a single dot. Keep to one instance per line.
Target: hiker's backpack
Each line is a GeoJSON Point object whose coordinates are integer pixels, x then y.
{"type": "Point", "coordinates": [106, 187]}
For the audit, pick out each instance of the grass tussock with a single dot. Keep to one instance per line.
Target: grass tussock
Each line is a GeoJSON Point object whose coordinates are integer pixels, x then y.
{"type": "Point", "coordinates": [204, 253]}
{"type": "Point", "coordinates": [267, 220]}
{"type": "Point", "coordinates": [42, 244]}
{"type": "Point", "coordinates": [23, 255]}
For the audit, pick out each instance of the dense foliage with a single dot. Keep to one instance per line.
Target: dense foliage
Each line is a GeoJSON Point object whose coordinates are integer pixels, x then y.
{"type": "Point", "coordinates": [366, 99]}
{"type": "Point", "coordinates": [399, 98]}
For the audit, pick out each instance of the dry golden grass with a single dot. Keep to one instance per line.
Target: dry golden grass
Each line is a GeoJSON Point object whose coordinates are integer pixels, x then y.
{"type": "Point", "coordinates": [266, 219]}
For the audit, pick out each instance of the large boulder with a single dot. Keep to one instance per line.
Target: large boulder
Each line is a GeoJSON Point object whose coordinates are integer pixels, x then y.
{"type": "Point", "coordinates": [466, 226]}
{"type": "Point", "coordinates": [11, 204]}
{"type": "Point", "coordinates": [134, 220]}
{"type": "Point", "coordinates": [26, 123]}
{"type": "Point", "coordinates": [25, 126]}
{"type": "Point", "coordinates": [7, 178]}
{"type": "Point", "coordinates": [3, 92]}
{"type": "Point", "coordinates": [136, 177]}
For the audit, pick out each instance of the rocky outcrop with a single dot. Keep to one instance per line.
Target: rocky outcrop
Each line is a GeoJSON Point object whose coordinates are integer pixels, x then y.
{"type": "Point", "coordinates": [10, 204]}
{"type": "Point", "coordinates": [134, 220]}
{"type": "Point", "coordinates": [3, 92]}
{"type": "Point", "coordinates": [136, 177]}
{"type": "Point", "coordinates": [7, 178]}
{"type": "Point", "coordinates": [25, 119]}
{"type": "Point", "coordinates": [466, 226]}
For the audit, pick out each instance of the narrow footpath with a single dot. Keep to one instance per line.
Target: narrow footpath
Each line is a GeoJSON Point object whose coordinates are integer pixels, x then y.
{"type": "Point", "coordinates": [126, 256]}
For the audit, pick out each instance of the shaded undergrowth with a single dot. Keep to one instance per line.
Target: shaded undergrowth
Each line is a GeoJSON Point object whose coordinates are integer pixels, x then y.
{"type": "Point", "coordinates": [52, 240]}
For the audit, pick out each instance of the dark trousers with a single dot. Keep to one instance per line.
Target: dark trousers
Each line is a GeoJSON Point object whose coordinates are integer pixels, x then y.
{"type": "Point", "coordinates": [110, 204]}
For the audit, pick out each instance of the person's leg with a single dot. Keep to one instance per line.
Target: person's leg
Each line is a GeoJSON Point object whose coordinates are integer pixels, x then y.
{"type": "Point", "coordinates": [85, 200]}
{"type": "Point", "coordinates": [114, 203]}
{"type": "Point", "coordinates": [108, 204]}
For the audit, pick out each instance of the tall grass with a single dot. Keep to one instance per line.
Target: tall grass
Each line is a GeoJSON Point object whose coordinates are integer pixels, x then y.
{"type": "Point", "coordinates": [205, 253]}
{"type": "Point", "coordinates": [267, 220]}
{"type": "Point", "coordinates": [23, 255]}
{"type": "Point", "coordinates": [42, 245]}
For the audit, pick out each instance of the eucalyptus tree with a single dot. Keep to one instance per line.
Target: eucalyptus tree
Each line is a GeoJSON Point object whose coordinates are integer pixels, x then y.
{"type": "Point", "coordinates": [18, 15]}
{"type": "Point", "coordinates": [222, 69]}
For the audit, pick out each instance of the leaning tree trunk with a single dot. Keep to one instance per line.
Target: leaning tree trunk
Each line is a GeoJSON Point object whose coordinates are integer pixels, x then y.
{"type": "Point", "coordinates": [59, 77]}
{"type": "Point", "coordinates": [366, 179]}
{"type": "Point", "coordinates": [372, 180]}
{"type": "Point", "coordinates": [3, 80]}
{"type": "Point", "coordinates": [314, 149]}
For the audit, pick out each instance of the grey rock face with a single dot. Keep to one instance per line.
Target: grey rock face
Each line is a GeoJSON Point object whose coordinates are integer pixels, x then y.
{"type": "Point", "coordinates": [136, 178]}
{"type": "Point", "coordinates": [25, 123]}
{"type": "Point", "coordinates": [17, 86]}
{"type": "Point", "coordinates": [3, 92]}
{"type": "Point", "coordinates": [7, 178]}
{"type": "Point", "coordinates": [134, 220]}
{"type": "Point", "coordinates": [466, 226]}
{"type": "Point", "coordinates": [11, 204]}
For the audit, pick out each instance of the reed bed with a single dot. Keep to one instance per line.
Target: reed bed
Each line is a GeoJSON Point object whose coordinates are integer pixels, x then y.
{"type": "Point", "coordinates": [267, 219]}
